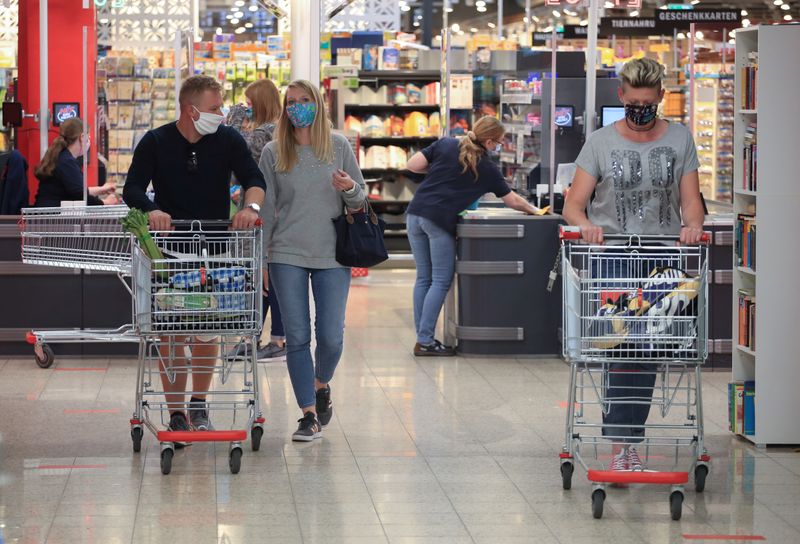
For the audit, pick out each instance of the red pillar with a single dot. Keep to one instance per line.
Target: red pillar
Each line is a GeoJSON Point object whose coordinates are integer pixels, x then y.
{"type": "Point", "coordinates": [66, 19]}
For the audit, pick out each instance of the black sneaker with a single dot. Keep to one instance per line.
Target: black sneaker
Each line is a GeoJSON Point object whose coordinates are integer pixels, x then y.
{"type": "Point", "coordinates": [324, 405]}
{"type": "Point", "coordinates": [309, 428]}
{"type": "Point", "coordinates": [178, 422]}
{"type": "Point", "coordinates": [437, 349]}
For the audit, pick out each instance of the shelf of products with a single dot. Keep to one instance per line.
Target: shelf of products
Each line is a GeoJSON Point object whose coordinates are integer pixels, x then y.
{"type": "Point", "coordinates": [521, 113]}
{"type": "Point", "coordinates": [136, 94]}
{"type": "Point", "coordinates": [713, 130]}
{"type": "Point", "coordinates": [765, 373]}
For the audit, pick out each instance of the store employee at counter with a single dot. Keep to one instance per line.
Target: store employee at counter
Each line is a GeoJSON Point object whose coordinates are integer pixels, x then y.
{"type": "Point", "coordinates": [457, 173]}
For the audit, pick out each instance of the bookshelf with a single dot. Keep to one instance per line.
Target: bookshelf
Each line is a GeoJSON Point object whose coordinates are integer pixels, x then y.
{"type": "Point", "coordinates": [774, 201]}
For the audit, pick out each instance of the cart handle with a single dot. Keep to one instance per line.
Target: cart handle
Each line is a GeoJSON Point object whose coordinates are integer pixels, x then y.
{"type": "Point", "coordinates": [198, 225]}
{"type": "Point", "coordinates": [568, 232]}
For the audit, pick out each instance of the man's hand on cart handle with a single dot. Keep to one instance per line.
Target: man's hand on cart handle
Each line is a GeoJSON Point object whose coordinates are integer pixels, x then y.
{"type": "Point", "coordinates": [245, 219]}
{"type": "Point", "coordinates": [160, 221]}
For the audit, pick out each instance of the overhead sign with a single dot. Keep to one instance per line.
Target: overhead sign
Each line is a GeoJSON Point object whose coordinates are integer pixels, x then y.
{"type": "Point", "coordinates": [619, 4]}
{"type": "Point", "coordinates": [543, 38]}
{"type": "Point", "coordinates": [682, 18]}
{"type": "Point", "coordinates": [627, 26]}
{"type": "Point", "coordinates": [576, 32]}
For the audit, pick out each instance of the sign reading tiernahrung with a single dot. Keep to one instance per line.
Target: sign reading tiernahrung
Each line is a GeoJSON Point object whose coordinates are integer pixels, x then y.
{"type": "Point", "coordinates": [684, 17]}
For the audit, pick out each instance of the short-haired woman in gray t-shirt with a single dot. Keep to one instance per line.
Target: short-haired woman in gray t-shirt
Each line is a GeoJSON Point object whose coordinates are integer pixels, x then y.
{"type": "Point", "coordinates": [642, 171]}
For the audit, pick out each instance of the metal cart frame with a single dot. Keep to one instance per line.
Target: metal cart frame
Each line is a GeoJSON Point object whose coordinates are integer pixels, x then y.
{"type": "Point", "coordinates": [635, 307]}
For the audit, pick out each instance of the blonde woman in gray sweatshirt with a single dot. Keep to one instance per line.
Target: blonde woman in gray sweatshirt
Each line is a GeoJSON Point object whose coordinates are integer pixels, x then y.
{"type": "Point", "coordinates": [311, 175]}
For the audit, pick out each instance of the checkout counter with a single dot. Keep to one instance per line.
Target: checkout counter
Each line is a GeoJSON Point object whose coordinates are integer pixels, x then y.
{"type": "Point", "coordinates": [501, 306]}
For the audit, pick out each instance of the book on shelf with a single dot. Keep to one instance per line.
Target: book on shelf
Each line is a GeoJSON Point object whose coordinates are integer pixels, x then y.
{"type": "Point", "coordinates": [747, 319]}
{"type": "Point", "coordinates": [750, 157]}
{"type": "Point", "coordinates": [741, 407]}
{"type": "Point", "coordinates": [750, 82]}
{"type": "Point", "coordinates": [745, 240]}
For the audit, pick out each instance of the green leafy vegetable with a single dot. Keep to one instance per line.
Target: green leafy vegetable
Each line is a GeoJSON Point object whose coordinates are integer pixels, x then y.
{"type": "Point", "coordinates": [137, 223]}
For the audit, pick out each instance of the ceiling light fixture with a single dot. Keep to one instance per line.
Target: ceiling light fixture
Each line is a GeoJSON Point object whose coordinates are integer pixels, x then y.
{"type": "Point", "coordinates": [481, 9]}
{"type": "Point", "coordinates": [778, 2]}
{"type": "Point", "coordinates": [253, 8]}
{"type": "Point", "coordinates": [699, 35]}
{"type": "Point", "coordinates": [785, 7]}
{"type": "Point", "coordinates": [695, 2]}
{"type": "Point", "coordinates": [745, 23]}
{"type": "Point", "coordinates": [405, 7]}
{"type": "Point", "coordinates": [480, 3]}
{"type": "Point", "coordinates": [416, 23]}
{"type": "Point", "coordinates": [634, 13]}
{"type": "Point", "coordinates": [609, 5]}
{"type": "Point", "coordinates": [219, 31]}
{"type": "Point", "coordinates": [238, 3]}
{"type": "Point", "coordinates": [239, 14]}
{"type": "Point", "coordinates": [248, 25]}
{"type": "Point", "coordinates": [234, 21]}
{"type": "Point", "coordinates": [787, 17]}
{"type": "Point", "coordinates": [584, 22]}
{"type": "Point", "coordinates": [681, 36]}
{"type": "Point", "coordinates": [556, 13]}
{"type": "Point", "coordinates": [492, 25]}
{"type": "Point", "coordinates": [744, 13]}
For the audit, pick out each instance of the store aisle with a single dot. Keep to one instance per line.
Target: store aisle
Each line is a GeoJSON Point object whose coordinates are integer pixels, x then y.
{"type": "Point", "coordinates": [419, 451]}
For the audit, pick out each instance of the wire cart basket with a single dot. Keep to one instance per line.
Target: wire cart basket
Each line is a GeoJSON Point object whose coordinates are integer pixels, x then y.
{"type": "Point", "coordinates": [635, 333]}
{"type": "Point", "coordinates": [81, 238]}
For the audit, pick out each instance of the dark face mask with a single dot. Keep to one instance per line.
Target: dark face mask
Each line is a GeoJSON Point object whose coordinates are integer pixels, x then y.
{"type": "Point", "coordinates": [641, 115]}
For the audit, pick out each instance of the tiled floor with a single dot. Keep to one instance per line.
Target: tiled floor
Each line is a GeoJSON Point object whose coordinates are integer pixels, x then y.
{"type": "Point", "coordinates": [419, 451]}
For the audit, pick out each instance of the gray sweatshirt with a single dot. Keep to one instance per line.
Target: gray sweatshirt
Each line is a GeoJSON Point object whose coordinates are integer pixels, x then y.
{"type": "Point", "coordinates": [301, 204]}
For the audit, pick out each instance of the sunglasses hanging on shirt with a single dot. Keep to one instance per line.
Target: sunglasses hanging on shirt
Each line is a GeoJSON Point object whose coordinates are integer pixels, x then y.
{"type": "Point", "coordinates": [191, 162]}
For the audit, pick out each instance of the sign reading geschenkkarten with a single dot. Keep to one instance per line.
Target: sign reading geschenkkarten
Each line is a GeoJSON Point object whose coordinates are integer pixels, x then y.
{"type": "Point", "coordinates": [682, 18]}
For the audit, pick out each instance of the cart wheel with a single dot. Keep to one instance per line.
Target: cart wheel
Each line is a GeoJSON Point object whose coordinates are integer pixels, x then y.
{"type": "Point", "coordinates": [136, 436]}
{"type": "Point", "coordinates": [255, 438]}
{"type": "Point", "coordinates": [47, 359]}
{"type": "Point", "coordinates": [166, 460]}
{"type": "Point", "coordinates": [567, 469]}
{"type": "Point", "coordinates": [598, 497]}
{"type": "Point", "coordinates": [676, 504]}
{"type": "Point", "coordinates": [235, 461]}
{"type": "Point", "coordinates": [700, 473]}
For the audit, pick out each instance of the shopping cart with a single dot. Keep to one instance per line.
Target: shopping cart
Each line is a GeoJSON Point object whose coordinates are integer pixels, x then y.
{"type": "Point", "coordinates": [81, 238]}
{"type": "Point", "coordinates": [635, 315]}
{"type": "Point", "coordinates": [207, 289]}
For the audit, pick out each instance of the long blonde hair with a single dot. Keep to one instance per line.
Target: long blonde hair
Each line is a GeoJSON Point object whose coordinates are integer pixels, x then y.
{"type": "Point", "coordinates": [321, 139]}
{"type": "Point", "coordinates": [266, 100]}
{"type": "Point", "coordinates": [70, 131]}
{"type": "Point", "coordinates": [471, 147]}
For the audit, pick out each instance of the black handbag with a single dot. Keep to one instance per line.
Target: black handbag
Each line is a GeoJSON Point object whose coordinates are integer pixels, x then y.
{"type": "Point", "coordinates": [359, 238]}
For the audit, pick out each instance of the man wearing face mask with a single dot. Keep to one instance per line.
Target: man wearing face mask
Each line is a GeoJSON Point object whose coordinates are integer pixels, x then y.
{"type": "Point", "coordinates": [636, 176]}
{"type": "Point", "coordinates": [190, 162]}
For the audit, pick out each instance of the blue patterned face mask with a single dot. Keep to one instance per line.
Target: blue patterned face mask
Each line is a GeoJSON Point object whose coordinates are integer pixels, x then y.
{"type": "Point", "coordinates": [302, 114]}
{"type": "Point", "coordinates": [248, 112]}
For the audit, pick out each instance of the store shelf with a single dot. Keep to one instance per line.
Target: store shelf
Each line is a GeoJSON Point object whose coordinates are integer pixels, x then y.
{"type": "Point", "coordinates": [404, 75]}
{"type": "Point", "coordinates": [398, 140]}
{"type": "Point", "coordinates": [772, 366]}
{"type": "Point", "coordinates": [396, 107]}
{"type": "Point", "coordinates": [746, 350]}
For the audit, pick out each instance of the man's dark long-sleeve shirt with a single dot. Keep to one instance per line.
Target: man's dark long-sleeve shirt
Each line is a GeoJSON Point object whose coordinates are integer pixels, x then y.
{"type": "Point", "coordinates": [190, 181]}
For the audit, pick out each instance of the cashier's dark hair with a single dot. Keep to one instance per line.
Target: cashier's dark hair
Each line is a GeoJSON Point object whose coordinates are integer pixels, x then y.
{"type": "Point", "coordinates": [70, 131]}
{"type": "Point", "coordinates": [473, 146]}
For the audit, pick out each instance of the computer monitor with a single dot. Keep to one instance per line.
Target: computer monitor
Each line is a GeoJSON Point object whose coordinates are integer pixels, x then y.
{"type": "Point", "coordinates": [611, 114]}
{"type": "Point", "coordinates": [565, 116]}
{"type": "Point", "coordinates": [65, 110]}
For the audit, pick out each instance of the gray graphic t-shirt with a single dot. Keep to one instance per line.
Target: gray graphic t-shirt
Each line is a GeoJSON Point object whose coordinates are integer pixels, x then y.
{"type": "Point", "coordinates": [638, 184]}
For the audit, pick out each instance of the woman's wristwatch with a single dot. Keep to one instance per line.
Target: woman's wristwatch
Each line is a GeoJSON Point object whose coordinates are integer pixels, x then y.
{"type": "Point", "coordinates": [255, 207]}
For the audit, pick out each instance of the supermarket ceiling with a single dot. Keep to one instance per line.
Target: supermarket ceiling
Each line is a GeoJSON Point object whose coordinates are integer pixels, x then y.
{"type": "Point", "coordinates": [479, 13]}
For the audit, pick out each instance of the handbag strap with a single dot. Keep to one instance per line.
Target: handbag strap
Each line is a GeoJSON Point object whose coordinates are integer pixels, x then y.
{"type": "Point", "coordinates": [373, 217]}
